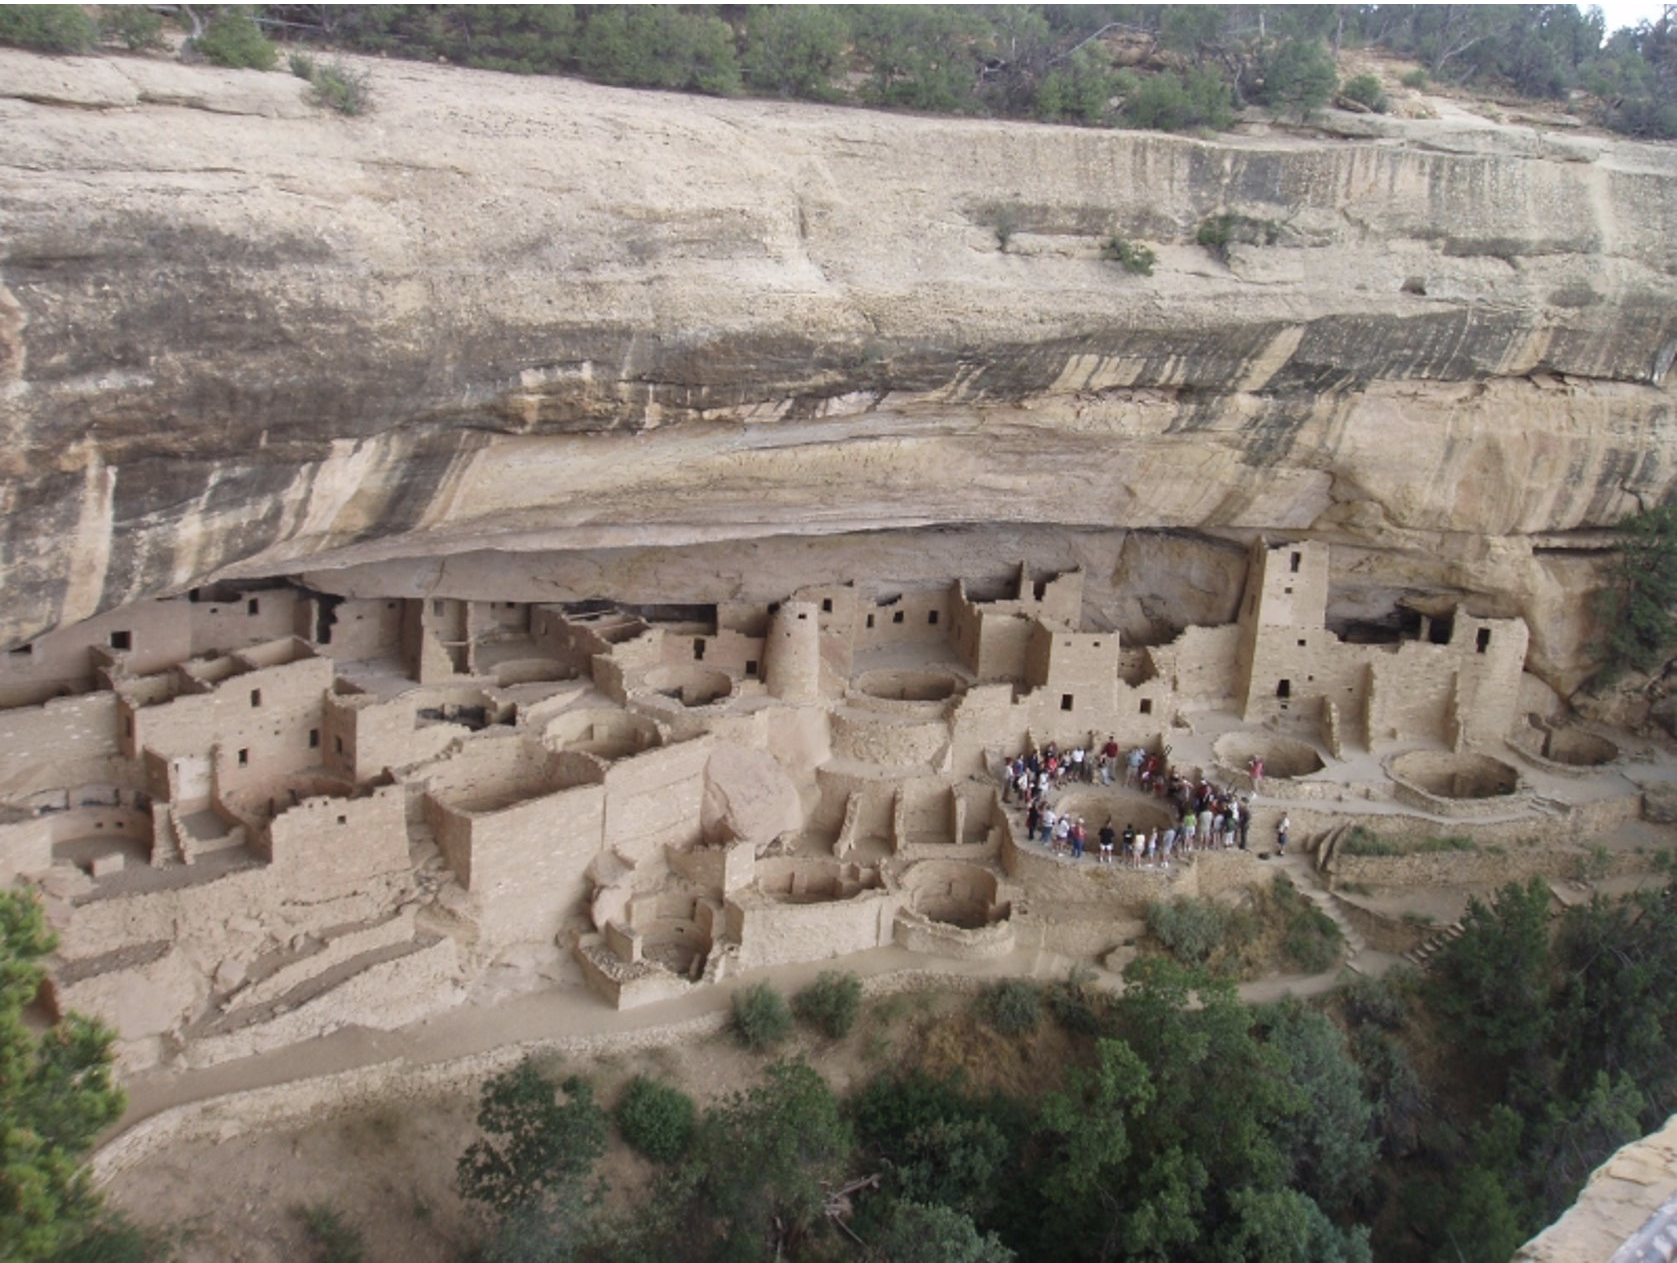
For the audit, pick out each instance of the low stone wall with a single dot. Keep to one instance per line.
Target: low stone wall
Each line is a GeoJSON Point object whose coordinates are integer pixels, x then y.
{"type": "Point", "coordinates": [1052, 879]}
{"type": "Point", "coordinates": [1482, 867]}
{"type": "Point", "coordinates": [1080, 930]}
{"type": "Point", "coordinates": [622, 984]}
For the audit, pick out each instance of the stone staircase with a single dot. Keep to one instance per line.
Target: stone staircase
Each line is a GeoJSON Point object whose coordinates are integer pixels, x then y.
{"type": "Point", "coordinates": [1421, 956]}
{"type": "Point", "coordinates": [1301, 869]}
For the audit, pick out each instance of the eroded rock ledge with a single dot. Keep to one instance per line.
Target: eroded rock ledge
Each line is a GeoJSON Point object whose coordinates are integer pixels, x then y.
{"type": "Point", "coordinates": [536, 317]}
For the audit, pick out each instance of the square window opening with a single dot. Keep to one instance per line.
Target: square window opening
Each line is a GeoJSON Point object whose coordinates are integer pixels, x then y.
{"type": "Point", "coordinates": [244, 758]}
{"type": "Point", "coordinates": [897, 617]}
{"type": "Point", "coordinates": [1065, 701]}
{"type": "Point", "coordinates": [253, 606]}
{"type": "Point", "coordinates": [1147, 706]}
{"type": "Point", "coordinates": [751, 666]}
{"type": "Point", "coordinates": [122, 640]}
{"type": "Point", "coordinates": [931, 618]}
{"type": "Point", "coordinates": [826, 605]}
{"type": "Point", "coordinates": [1284, 688]}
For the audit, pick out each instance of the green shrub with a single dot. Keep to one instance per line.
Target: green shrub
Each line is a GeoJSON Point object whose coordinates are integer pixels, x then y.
{"type": "Point", "coordinates": [1361, 841]}
{"type": "Point", "coordinates": [48, 28]}
{"type": "Point", "coordinates": [114, 1238]}
{"type": "Point", "coordinates": [1595, 864]}
{"type": "Point", "coordinates": [831, 1003]}
{"type": "Point", "coordinates": [302, 65]}
{"type": "Point", "coordinates": [233, 39]}
{"type": "Point", "coordinates": [1310, 938]}
{"type": "Point", "coordinates": [1004, 222]}
{"type": "Point", "coordinates": [656, 1119]}
{"type": "Point", "coordinates": [1313, 941]}
{"type": "Point", "coordinates": [1218, 232]}
{"type": "Point", "coordinates": [340, 87]}
{"type": "Point", "coordinates": [1189, 929]}
{"type": "Point", "coordinates": [1299, 77]}
{"type": "Point", "coordinates": [1075, 1003]}
{"type": "Point", "coordinates": [1375, 1001]}
{"type": "Point", "coordinates": [761, 1018]}
{"type": "Point", "coordinates": [1136, 259]}
{"type": "Point", "coordinates": [1013, 1006]}
{"type": "Point", "coordinates": [133, 26]}
{"type": "Point", "coordinates": [1639, 606]}
{"type": "Point", "coordinates": [1450, 842]}
{"type": "Point", "coordinates": [334, 1241]}
{"type": "Point", "coordinates": [1366, 90]}
{"type": "Point", "coordinates": [1416, 78]}
{"type": "Point", "coordinates": [1166, 102]}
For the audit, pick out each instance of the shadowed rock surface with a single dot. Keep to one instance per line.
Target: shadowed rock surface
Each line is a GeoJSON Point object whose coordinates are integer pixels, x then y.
{"type": "Point", "coordinates": [532, 339]}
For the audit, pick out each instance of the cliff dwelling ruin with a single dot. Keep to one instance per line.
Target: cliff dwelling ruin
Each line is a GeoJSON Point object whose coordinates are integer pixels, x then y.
{"type": "Point", "coordinates": [559, 545]}
{"type": "Point", "coordinates": [262, 812]}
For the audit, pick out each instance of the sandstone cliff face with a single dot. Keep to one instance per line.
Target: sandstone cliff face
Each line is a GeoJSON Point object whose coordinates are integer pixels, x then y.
{"type": "Point", "coordinates": [537, 339]}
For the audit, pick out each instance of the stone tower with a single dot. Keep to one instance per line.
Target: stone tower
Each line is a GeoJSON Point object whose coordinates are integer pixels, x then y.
{"type": "Point", "coordinates": [792, 654]}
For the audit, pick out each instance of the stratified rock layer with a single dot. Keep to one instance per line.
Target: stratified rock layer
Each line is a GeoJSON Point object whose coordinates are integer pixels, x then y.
{"type": "Point", "coordinates": [622, 335]}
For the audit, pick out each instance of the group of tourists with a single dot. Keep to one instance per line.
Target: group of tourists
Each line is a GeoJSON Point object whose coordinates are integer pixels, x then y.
{"type": "Point", "coordinates": [1031, 775]}
{"type": "Point", "coordinates": [1209, 817]}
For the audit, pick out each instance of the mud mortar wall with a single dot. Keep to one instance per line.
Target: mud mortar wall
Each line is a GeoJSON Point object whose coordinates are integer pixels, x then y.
{"type": "Point", "coordinates": [771, 933]}
{"type": "Point", "coordinates": [68, 741]}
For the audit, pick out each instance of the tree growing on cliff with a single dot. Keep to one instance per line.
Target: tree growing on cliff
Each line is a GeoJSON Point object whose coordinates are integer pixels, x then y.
{"type": "Point", "coordinates": [48, 28]}
{"type": "Point", "coordinates": [1638, 606]}
{"type": "Point", "coordinates": [233, 39]}
{"type": "Point", "coordinates": [56, 1094]}
{"type": "Point", "coordinates": [1299, 77]}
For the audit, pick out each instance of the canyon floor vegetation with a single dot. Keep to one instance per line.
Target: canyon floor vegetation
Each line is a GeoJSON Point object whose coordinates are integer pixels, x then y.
{"type": "Point", "coordinates": [1445, 1115]}
{"type": "Point", "coordinates": [1164, 67]}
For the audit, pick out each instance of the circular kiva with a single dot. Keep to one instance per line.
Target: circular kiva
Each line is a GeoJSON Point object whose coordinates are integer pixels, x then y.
{"type": "Point", "coordinates": [1094, 806]}
{"type": "Point", "coordinates": [1455, 775]}
{"type": "Point", "coordinates": [962, 895]}
{"type": "Point", "coordinates": [909, 686]}
{"type": "Point", "coordinates": [691, 686]}
{"type": "Point", "coordinates": [1283, 757]}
